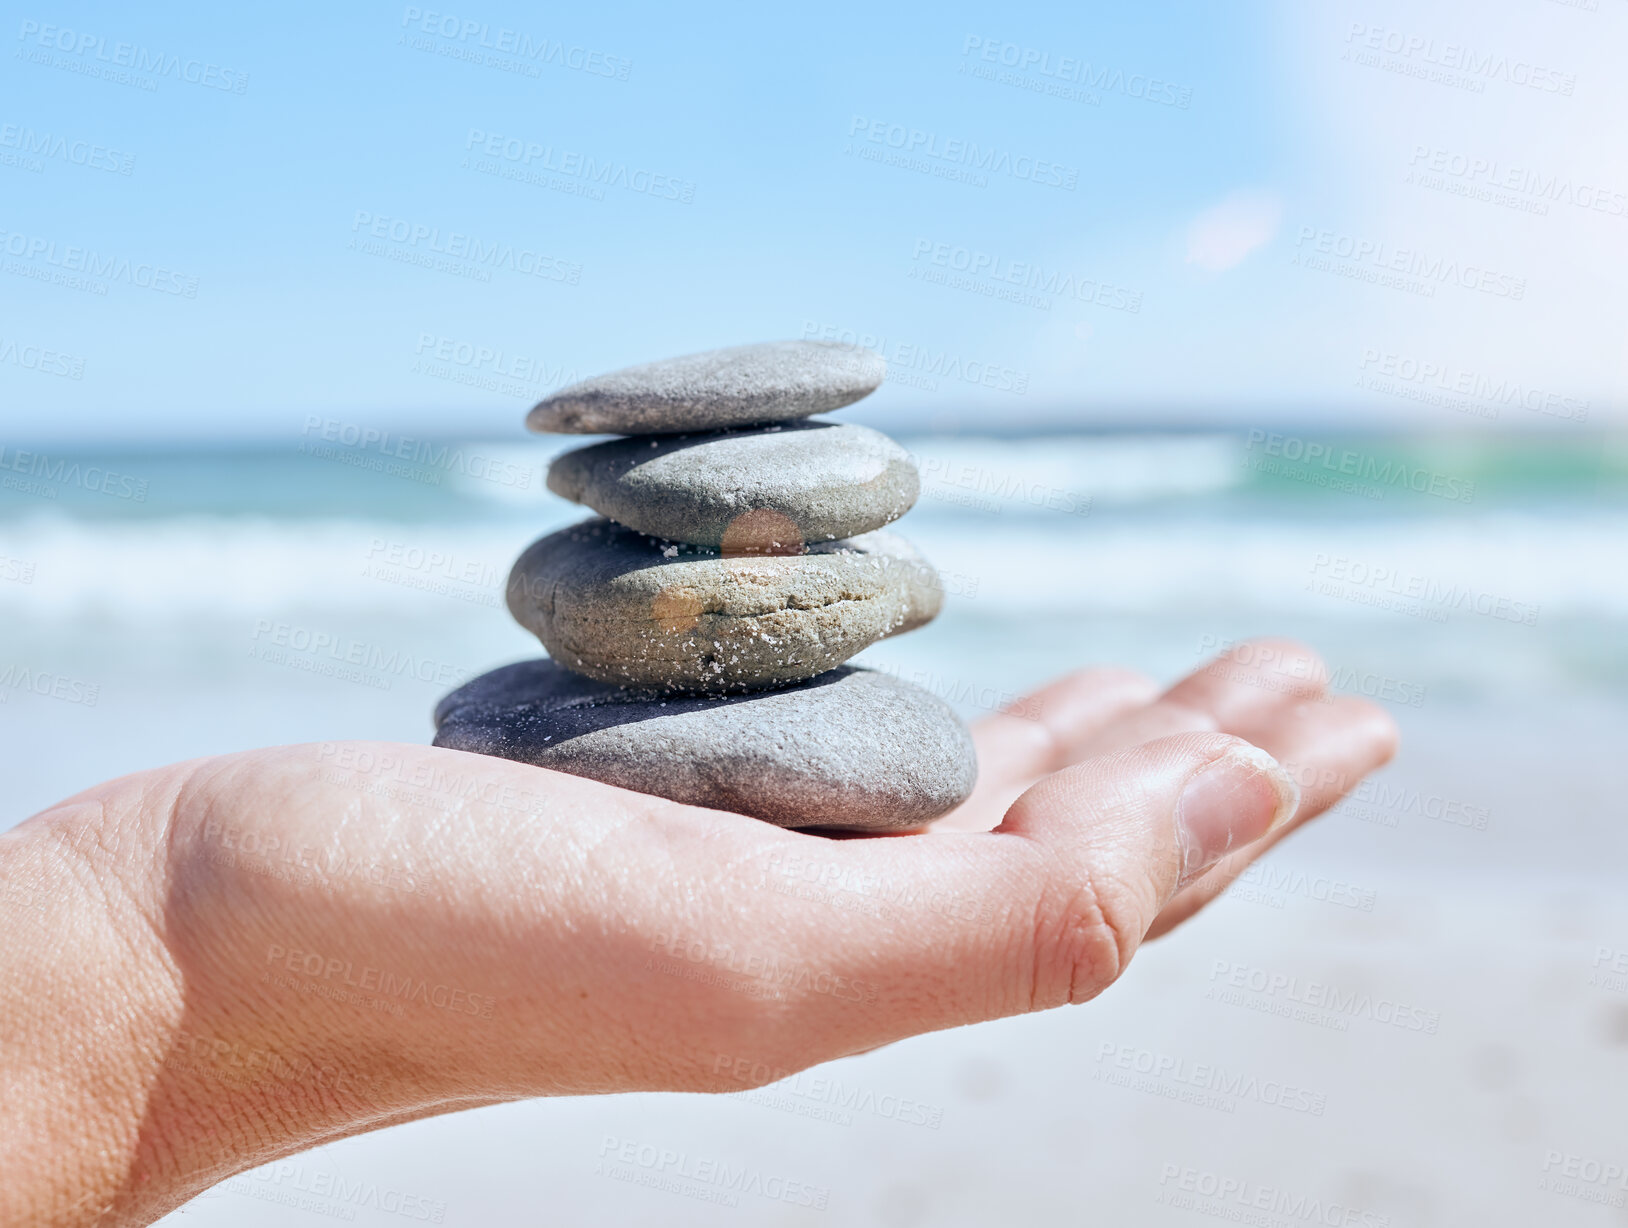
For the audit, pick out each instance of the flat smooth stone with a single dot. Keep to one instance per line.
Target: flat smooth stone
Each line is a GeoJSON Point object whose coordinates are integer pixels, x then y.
{"type": "Point", "coordinates": [745, 385]}
{"type": "Point", "coordinates": [765, 491]}
{"type": "Point", "coordinates": [853, 749]}
{"type": "Point", "coordinates": [622, 607]}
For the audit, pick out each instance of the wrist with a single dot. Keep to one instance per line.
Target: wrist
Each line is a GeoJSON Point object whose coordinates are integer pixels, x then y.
{"type": "Point", "coordinates": [89, 997]}
{"type": "Point", "coordinates": [148, 1065]}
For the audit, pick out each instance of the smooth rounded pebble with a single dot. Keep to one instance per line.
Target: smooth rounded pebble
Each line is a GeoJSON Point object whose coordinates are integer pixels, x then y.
{"type": "Point", "coordinates": [769, 491]}
{"type": "Point", "coordinates": [853, 749]}
{"type": "Point", "coordinates": [625, 608]}
{"type": "Point", "coordinates": [746, 385]}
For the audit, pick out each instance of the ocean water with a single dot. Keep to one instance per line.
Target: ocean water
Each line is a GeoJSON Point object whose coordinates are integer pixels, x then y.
{"type": "Point", "coordinates": [158, 606]}
{"type": "Point", "coordinates": [337, 586]}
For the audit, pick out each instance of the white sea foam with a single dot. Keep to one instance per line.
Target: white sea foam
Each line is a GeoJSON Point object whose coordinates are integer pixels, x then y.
{"type": "Point", "coordinates": [1375, 568]}
{"type": "Point", "coordinates": [1072, 474]}
{"type": "Point", "coordinates": [1438, 569]}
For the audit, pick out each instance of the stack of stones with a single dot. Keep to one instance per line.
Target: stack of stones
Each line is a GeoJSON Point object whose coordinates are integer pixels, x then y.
{"type": "Point", "coordinates": [697, 628]}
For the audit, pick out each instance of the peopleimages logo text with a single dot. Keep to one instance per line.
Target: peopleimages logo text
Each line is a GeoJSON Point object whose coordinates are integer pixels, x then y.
{"type": "Point", "coordinates": [986, 158]}
{"type": "Point", "coordinates": [1458, 57]}
{"type": "Point", "coordinates": [38, 358]}
{"type": "Point", "coordinates": [598, 171]}
{"type": "Point", "coordinates": [134, 57]}
{"type": "Point", "coordinates": [79, 153]}
{"type": "Point", "coordinates": [455, 245]}
{"type": "Point", "coordinates": [1384, 472]}
{"type": "Point", "coordinates": [1385, 257]}
{"type": "Point", "coordinates": [1500, 390]}
{"type": "Point", "coordinates": [1077, 71]}
{"type": "Point", "coordinates": [56, 470]}
{"type": "Point", "coordinates": [517, 43]}
{"type": "Point", "coordinates": [432, 456]}
{"type": "Point", "coordinates": [75, 259]}
{"type": "Point", "coordinates": [1025, 273]}
{"type": "Point", "coordinates": [1490, 173]}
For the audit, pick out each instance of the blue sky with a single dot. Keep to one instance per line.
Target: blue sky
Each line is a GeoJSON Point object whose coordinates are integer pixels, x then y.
{"type": "Point", "coordinates": [1073, 213]}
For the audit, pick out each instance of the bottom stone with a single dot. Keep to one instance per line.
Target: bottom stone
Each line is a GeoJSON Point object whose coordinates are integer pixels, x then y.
{"type": "Point", "coordinates": [851, 749]}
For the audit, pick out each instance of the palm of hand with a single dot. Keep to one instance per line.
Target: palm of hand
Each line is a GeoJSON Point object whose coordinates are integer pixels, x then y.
{"type": "Point", "coordinates": [391, 931]}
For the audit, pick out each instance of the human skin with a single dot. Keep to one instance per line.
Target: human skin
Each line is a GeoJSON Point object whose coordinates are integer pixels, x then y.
{"type": "Point", "coordinates": [192, 958]}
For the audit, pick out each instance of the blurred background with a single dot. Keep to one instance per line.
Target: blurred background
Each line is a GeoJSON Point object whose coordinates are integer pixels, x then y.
{"type": "Point", "coordinates": [1202, 322]}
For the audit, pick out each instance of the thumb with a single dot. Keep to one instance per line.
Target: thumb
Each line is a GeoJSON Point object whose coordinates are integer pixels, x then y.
{"type": "Point", "coordinates": [1123, 832]}
{"type": "Point", "coordinates": [1048, 908]}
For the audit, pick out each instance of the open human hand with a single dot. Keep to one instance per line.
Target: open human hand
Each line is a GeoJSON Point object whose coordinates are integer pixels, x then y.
{"type": "Point", "coordinates": [210, 965]}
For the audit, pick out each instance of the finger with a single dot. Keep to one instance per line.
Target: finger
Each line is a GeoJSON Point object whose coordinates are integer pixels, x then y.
{"type": "Point", "coordinates": [1240, 692]}
{"type": "Point", "coordinates": [1250, 685]}
{"type": "Point", "coordinates": [1049, 728]}
{"type": "Point", "coordinates": [1049, 908]}
{"type": "Point", "coordinates": [1326, 748]}
{"type": "Point", "coordinates": [1045, 730]}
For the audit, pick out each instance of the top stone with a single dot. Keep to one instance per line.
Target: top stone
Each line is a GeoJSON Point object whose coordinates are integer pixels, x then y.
{"type": "Point", "coordinates": [746, 385]}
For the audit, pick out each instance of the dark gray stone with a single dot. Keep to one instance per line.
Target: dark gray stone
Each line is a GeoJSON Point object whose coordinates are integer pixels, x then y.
{"type": "Point", "coordinates": [775, 381]}
{"type": "Point", "coordinates": [852, 749]}
{"type": "Point", "coordinates": [625, 608]}
{"type": "Point", "coordinates": [781, 486]}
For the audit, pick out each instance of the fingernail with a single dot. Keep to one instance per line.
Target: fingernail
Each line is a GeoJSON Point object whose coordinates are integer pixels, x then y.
{"type": "Point", "coordinates": [1229, 803]}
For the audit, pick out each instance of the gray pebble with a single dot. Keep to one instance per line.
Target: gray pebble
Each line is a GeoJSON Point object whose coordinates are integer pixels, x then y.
{"type": "Point", "coordinates": [853, 749]}
{"type": "Point", "coordinates": [775, 381]}
{"type": "Point", "coordinates": [766, 491]}
{"type": "Point", "coordinates": [625, 608]}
